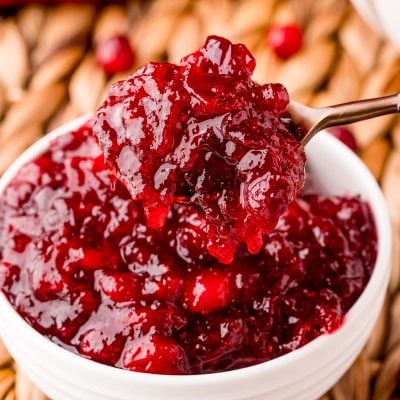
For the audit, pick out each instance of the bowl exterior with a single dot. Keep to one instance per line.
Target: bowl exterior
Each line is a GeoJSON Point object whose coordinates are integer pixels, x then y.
{"type": "Point", "coordinates": [367, 11]}
{"type": "Point", "coordinates": [304, 374]}
{"type": "Point", "coordinates": [383, 16]}
{"type": "Point", "coordinates": [389, 17]}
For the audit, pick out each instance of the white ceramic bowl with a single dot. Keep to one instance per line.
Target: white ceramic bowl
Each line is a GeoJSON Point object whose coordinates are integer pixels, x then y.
{"type": "Point", "coordinates": [383, 16]}
{"type": "Point", "coordinates": [304, 374]}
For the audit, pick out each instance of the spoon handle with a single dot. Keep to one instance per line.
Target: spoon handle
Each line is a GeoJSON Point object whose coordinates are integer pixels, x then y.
{"type": "Point", "coordinates": [347, 113]}
{"type": "Point", "coordinates": [356, 111]}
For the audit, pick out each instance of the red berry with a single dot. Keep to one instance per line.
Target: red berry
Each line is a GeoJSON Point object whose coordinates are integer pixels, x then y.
{"type": "Point", "coordinates": [208, 291]}
{"type": "Point", "coordinates": [345, 136]}
{"type": "Point", "coordinates": [163, 320]}
{"type": "Point", "coordinates": [97, 345]}
{"type": "Point", "coordinates": [93, 259]}
{"type": "Point", "coordinates": [155, 354]}
{"type": "Point", "coordinates": [18, 192]}
{"type": "Point", "coordinates": [285, 40]}
{"type": "Point", "coordinates": [189, 235]}
{"type": "Point", "coordinates": [47, 282]}
{"type": "Point", "coordinates": [8, 274]}
{"type": "Point", "coordinates": [167, 287]}
{"type": "Point", "coordinates": [115, 55]}
{"type": "Point", "coordinates": [214, 340]}
{"type": "Point", "coordinates": [21, 241]}
{"type": "Point", "coordinates": [119, 287]}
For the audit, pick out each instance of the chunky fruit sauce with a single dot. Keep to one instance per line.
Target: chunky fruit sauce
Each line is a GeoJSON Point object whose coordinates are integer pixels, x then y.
{"type": "Point", "coordinates": [80, 264]}
{"type": "Point", "coordinates": [203, 132]}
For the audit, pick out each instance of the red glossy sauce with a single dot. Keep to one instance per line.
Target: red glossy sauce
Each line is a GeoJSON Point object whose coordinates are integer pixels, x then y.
{"type": "Point", "coordinates": [205, 132]}
{"type": "Point", "coordinates": [80, 264]}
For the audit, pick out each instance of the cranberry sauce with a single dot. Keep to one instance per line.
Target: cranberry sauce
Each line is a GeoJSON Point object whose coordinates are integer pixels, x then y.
{"type": "Point", "coordinates": [80, 264]}
{"type": "Point", "coordinates": [204, 132]}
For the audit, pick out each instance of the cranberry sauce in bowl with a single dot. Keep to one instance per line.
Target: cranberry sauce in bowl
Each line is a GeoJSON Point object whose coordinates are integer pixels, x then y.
{"type": "Point", "coordinates": [80, 264]}
{"type": "Point", "coordinates": [99, 253]}
{"type": "Point", "coordinates": [203, 131]}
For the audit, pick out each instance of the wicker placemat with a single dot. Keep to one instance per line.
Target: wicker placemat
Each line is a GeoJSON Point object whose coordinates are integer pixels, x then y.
{"type": "Point", "coordinates": [48, 76]}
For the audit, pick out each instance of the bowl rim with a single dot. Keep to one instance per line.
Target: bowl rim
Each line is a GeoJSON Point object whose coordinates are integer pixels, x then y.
{"type": "Point", "coordinates": [379, 279]}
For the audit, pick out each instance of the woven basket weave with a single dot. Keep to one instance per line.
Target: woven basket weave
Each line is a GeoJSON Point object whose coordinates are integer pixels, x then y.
{"type": "Point", "coordinates": [48, 76]}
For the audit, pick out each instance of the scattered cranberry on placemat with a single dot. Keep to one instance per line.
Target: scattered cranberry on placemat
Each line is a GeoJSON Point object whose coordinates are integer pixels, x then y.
{"type": "Point", "coordinates": [18, 3]}
{"type": "Point", "coordinates": [115, 54]}
{"type": "Point", "coordinates": [285, 40]}
{"type": "Point", "coordinates": [345, 136]}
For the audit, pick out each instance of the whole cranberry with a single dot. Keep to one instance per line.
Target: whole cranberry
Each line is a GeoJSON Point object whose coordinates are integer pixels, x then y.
{"type": "Point", "coordinates": [115, 54]}
{"type": "Point", "coordinates": [155, 354]}
{"type": "Point", "coordinates": [164, 320]}
{"type": "Point", "coordinates": [208, 291]}
{"type": "Point", "coordinates": [285, 40]}
{"type": "Point", "coordinates": [14, 3]}
{"type": "Point", "coordinates": [118, 286]}
{"type": "Point", "coordinates": [345, 136]}
{"type": "Point", "coordinates": [95, 344]}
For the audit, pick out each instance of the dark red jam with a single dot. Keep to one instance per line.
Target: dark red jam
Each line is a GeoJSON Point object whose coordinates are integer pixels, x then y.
{"type": "Point", "coordinates": [80, 264]}
{"type": "Point", "coordinates": [204, 132]}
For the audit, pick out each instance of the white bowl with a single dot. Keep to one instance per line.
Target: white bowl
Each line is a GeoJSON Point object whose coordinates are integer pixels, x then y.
{"type": "Point", "coordinates": [304, 374]}
{"type": "Point", "coordinates": [383, 16]}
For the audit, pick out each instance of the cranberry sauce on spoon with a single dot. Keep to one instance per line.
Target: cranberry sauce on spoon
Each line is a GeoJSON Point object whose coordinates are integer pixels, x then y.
{"type": "Point", "coordinates": [204, 131]}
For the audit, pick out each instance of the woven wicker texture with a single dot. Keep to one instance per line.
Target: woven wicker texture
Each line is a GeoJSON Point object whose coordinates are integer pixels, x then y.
{"type": "Point", "coordinates": [48, 76]}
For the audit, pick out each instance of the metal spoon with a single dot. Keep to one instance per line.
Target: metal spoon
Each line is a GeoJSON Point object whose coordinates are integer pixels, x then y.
{"type": "Point", "coordinates": [315, 119]}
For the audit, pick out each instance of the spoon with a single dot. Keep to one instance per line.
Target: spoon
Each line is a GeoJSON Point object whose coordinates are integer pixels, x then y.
{"type": "Point", "coordinates": [314, 120]}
